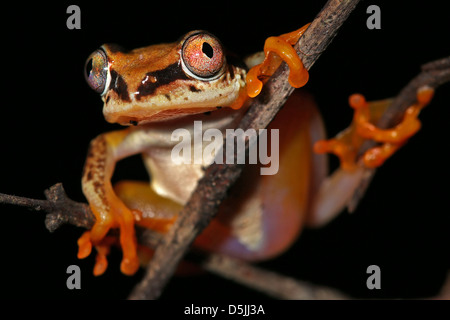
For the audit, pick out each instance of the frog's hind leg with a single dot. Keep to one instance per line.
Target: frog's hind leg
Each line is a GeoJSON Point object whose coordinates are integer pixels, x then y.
{"type": "Point", "coordinates": [346, 144]}
{"type": "Point", "coordinates": [333, 195]}
{"type": "Point", "coordinates": [150, 210]}
{"type": "Point", "coordinates": [264, 214]}
{"type": "Point", "coordinates": [337, 190]}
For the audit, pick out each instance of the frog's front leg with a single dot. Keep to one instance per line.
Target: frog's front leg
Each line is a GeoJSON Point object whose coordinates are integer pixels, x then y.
{"type": "Point", "coordinates": [108, 208]}
{"type": "Point", "coordinates": [276, 50]}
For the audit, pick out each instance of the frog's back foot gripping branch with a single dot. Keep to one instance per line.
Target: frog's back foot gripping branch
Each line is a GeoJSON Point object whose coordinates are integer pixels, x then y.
{"type": "Point", "coordinates": [347, 143]}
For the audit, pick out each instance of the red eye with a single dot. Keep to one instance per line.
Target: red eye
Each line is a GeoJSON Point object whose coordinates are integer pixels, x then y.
{"type": "Point", "coordinates": [202, 56]}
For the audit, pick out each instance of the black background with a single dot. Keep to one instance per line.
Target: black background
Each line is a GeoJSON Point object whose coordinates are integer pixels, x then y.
{"type": "Point", "coordinates": [49, 115]}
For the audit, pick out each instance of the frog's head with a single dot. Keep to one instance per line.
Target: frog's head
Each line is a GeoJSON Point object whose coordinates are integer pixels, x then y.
{"type": "Point", "coordinates": [164, 81]}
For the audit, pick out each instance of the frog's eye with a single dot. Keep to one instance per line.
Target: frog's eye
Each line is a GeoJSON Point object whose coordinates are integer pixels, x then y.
{"type": "Point", "coordinates": [202, 56]}
{"type": "Point", "coordinates": [96, 71]}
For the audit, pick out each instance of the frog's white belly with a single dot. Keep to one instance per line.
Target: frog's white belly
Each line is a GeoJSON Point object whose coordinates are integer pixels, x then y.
{"type": "Point", "coordinates": [174, 180]}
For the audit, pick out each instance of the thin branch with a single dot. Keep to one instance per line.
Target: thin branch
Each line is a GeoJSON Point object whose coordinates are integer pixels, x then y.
{"type": "Point", "coordinates": [270, 283]}
{"type": "Point", "coordinates": [212, 188]}
{"type": "Point", "coordinates": [59, 207]}
{"type": "Point", "coordinates": [433, 74]}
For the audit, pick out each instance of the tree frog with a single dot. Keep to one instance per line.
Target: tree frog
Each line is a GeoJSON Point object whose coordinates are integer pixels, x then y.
{"type": "Point", "coordinates": [157, 89]}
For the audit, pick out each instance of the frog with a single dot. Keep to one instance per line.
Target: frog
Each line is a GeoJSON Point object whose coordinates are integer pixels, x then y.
{"type": "Point", "coordinates": [157, 89]}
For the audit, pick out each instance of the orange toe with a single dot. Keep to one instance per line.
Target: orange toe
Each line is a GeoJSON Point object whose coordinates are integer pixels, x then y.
{"type": "Point", "coordinates": [84, 245]}
{"type": "Point", "coordinates": [129, 266]}
{"type": "Point", "coordinates": [101, 264]}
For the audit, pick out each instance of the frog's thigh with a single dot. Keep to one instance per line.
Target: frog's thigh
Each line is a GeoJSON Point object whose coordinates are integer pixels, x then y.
{"type": "Point", "coordinates": [334, 195]}
{"type": "Point", "coordinates": [263, 215]}
{"type": "Point", "coordinates": [151, 210]}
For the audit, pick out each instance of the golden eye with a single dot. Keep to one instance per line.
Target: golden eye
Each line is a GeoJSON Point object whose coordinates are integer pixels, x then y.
{"type": "Point", "coordinates": [202, 56]}
{"type": "Point", "coordinates": [96, 71]}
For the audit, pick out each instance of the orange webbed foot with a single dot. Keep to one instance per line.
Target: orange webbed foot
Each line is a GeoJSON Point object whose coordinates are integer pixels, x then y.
{"type": "Point", "coordinates": [276, 50]}
{"type": "Point", "coordinates": [103, 248]}
{"type": "Point", "coordinates": [118, 216]}
{"type": "Point", "coordinates": [121, 213]}
{"type": "Point", "coordinates": [348, 142]}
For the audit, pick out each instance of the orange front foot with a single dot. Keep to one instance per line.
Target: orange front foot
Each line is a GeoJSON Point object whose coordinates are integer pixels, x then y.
{"type": "Point", "coordinates": [111, 214]}
{"type": "Point", "coordinates": [104, 248]}
{"type": "Point", "coordinates": [276, 50]}
{"type": "Point", "coordinates": [129, 203]}
{"type": "Point", "coordinates": [109, 210]}
{"type": "Point", "coordinates": [347, 143]}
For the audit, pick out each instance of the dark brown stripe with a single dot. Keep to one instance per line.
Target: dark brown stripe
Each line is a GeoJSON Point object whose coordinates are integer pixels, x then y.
{"type": "Point", "coordinates": [231, 71]}
{"type": "Point", "coordinates": [119, 86]}
{"type": "Point", "coordinates": [163, 77]}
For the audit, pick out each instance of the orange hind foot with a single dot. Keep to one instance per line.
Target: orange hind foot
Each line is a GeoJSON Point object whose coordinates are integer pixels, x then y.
{"type": "Point", "coordinates": [347, 143]}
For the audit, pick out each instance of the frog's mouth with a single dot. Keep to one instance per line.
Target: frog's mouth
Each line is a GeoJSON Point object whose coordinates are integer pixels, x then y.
{"type": "Point", "coordinates": [160, 109]}
{"type": "Point", "coordinates": [140, 118]}
{"type": "Point", "coordinates": [172, 102]}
